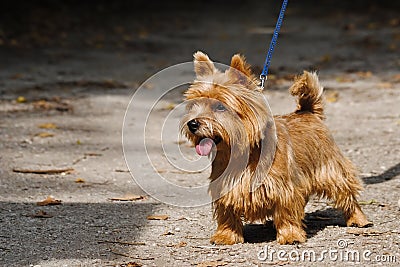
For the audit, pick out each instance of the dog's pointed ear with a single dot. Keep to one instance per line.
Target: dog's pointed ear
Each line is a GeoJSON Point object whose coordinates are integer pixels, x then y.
{"type": "Point", "coordinates": [203, 66]}
{"type": "Point", "coordinates": [240, 70]}
{"type": "Point", "coordinates": [239, 63]}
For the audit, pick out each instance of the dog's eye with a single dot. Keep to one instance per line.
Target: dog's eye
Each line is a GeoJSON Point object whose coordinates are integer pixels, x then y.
{"type": "Point", "coordinates": [220, 107]}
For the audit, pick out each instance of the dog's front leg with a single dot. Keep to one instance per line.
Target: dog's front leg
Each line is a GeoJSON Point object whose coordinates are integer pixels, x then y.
{"type": "Point", "coordinates": [288, 224]}
{"type": "Point", "coordinates": [230, 226]}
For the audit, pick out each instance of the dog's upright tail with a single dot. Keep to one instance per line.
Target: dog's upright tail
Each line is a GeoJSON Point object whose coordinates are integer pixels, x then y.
{"type": "Point", "coordinates": [309, 92]}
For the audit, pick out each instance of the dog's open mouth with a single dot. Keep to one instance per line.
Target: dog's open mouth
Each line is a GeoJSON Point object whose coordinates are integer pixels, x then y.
{"type": "Point", "coordinates": [206, 145]}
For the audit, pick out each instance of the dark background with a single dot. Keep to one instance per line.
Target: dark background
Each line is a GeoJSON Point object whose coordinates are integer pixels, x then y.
{"type": "Point", "coordinates": [32, 24]}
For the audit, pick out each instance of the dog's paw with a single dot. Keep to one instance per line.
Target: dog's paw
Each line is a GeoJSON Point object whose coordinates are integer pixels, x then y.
{"type": "Point", "coordinates": [226, 238]}
{"type": "Point", "coordinates": [291, 235]}
{"type": "Point", "coordinates": [358, 219]}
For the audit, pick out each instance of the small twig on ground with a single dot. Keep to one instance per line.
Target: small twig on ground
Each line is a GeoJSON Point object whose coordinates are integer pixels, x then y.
{"type": "Point", "coordinates": [119, 170]}
{"type": "Point", "coordinates": [50, 171]}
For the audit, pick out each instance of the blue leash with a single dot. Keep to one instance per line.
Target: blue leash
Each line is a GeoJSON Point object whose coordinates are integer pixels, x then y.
{"type": "Point", "coordinates": [264, 73]}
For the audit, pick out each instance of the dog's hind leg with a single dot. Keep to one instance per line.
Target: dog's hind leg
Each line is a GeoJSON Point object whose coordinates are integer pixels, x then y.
{"type": "Point", "coordinates": [342, 186]}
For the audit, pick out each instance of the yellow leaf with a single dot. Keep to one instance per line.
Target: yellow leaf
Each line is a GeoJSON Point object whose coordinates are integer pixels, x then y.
{"type": "Point", "coordinates": [45, 134]}
{"type": "Point", "coordinates": [170, 106]}
{"type": "Point", "coordinates": [79, 180]}
{"type": "Point", "coordinates": [47, 126]}
{"type": "Point", "coordinates": [344, 79]}
{"type": "Point", "coordinates": [332, 96]}
{"type": "Point", "coordinates": [157, 217]}
{"type": "Point", "coordinates": [128, 198]}
{"type": "Point", "coordinates": [49, 201]}
{"type": "Point", "coordinates": [21, 99]}
{"type": "Point", "coordinates": [369, 202]}
{"type": "Point", "coordinates": [78, 142]}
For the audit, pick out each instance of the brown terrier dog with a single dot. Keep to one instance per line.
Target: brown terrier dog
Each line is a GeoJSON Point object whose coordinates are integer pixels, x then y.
{"type": "Point", "coordinates": [265, 166]}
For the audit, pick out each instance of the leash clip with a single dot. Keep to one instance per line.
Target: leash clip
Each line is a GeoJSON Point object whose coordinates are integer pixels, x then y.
{"type": "Point", "coordinates": [263, 78]}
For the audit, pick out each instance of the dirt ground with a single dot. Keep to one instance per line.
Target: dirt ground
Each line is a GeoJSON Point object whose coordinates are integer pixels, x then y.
{"type": "Point", "coordinates": [68, 72]}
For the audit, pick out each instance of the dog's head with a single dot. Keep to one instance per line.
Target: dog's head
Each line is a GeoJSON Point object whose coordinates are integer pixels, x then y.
{"type": "Point", "coordinates": [225, 110]}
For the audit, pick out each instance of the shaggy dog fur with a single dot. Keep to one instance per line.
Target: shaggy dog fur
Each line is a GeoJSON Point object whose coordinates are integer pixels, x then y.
{"type": "Point", "coordinates": [265, 166]}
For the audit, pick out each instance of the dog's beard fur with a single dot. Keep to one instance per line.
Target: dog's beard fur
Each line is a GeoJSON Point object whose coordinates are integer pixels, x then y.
{"type": "Point", "coordinates": [265, 166]}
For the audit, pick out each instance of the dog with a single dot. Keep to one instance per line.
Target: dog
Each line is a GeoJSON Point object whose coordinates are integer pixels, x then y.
{"type": "Point", "coordinates": [265, 166]}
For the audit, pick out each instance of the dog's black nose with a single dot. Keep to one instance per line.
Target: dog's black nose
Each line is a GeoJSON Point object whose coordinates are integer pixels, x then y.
{"type": "Point", "coordinates": [193, 125]}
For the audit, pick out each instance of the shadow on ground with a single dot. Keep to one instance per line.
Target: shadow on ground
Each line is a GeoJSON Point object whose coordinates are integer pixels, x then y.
{"type": "Point", "coordinates": [315, 222]}
{"type": "Point", "coordinates": [389, 174]}
{"type": "Point", "coordinates": [71, 231]}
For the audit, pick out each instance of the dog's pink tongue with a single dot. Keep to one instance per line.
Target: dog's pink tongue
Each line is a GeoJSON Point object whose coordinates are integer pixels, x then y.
{"type": "Point", "coordinates": [204, 147]}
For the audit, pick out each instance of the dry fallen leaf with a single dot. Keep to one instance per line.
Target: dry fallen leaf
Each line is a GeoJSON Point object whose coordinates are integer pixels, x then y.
{"type": "Point", "coordinates": [169, 106]}
{"type": "Point", "coordinates": [131, 264]}
{"type": "Point", "coordinates": [49, 201]}
{"type": "Point", "coordinates": [331, 96]}
{"type": "Point", "coordinates": [42, 104]}
{"type": "Point", "coordinates": [51, 171]}
{"type": "Point", "coordinates": [157, 217]}
{"type": "Point", "coordinates": [369, 202]}
{"type": "Point", "coordinates": [168, 233]}
{"type": "Point", "coordinates": [120, 170]}
{"type": "Point", "coordinates": [44, 134]}
{"type": "Point", "coordinates": [40, 214]}
{"type": "Point", "coordinates": [21, 99]}
{"type": "Point", "coordinates": [79, 180]}
{"type": "Point", "coordinates": [47, 126]}
{"type": "Point", "coordinates": [179, 245]}
{"type": "Point", "coordinates": [148, 86]}
{"type": "Point", "coordinates": [344, 79]}
{"type": "Point", "coordinates": [128, 198]}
